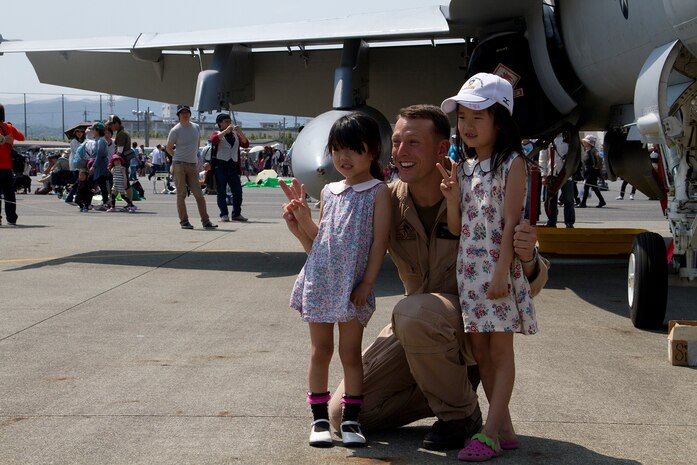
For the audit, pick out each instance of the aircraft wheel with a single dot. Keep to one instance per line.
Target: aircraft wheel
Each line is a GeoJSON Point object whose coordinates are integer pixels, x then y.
{"type": "Point", "coordinates": [647, 281]}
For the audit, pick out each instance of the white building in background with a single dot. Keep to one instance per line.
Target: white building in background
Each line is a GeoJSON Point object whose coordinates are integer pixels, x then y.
{"type": "Point", "coordinates": [169, 113]}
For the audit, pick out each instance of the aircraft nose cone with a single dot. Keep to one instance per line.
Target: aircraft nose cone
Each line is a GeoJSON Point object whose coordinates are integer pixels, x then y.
{"type": "Point", "coordinates": [312, 164]}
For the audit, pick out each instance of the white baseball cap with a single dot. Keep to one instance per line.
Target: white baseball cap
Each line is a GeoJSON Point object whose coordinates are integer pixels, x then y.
{"type": "Point", "coordinates": [481, 91]}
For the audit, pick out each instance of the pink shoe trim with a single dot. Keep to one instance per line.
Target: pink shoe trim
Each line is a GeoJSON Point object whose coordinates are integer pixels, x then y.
{"type": "Point", "coordinates": [345, 400]}
{"type": "Point", "coordinates": [508, 444]}
{"type": "Point", "coordinates": [477, 450]}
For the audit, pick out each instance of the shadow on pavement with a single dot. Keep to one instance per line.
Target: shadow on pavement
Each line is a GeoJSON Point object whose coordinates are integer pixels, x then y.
{"type": "Point", "coordinates": [401, 446]}
{"type": "Point", "coordinates": [264, 264]}
{"type": "Point", "coordinates": [603, 282]}
{"type": "Point", "coordinates": [23, 226]}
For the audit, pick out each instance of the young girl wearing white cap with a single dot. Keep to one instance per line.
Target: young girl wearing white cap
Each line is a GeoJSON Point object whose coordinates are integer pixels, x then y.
{"type": "Point", "coordinates": [485, 196]}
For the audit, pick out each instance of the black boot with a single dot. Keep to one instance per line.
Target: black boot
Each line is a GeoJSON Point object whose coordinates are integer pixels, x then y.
{"type": "Point", "coordinates": [452, 434]}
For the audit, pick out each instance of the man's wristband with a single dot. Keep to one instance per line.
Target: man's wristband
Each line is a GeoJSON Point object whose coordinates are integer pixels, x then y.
{"type": "Point", "coordinates": [533, 259]}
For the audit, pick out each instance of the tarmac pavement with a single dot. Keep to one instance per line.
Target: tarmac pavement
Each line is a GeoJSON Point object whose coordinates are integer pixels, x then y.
{"type": "Point", "coordinates": [126, 340]}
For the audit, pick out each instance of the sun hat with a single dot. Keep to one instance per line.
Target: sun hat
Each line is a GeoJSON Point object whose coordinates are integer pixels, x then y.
{"type": "Point", "coordinates": [481, 91]}
{"type": "Point", "coordinates": [590, 139]}
{"type": "Point", "coordinates": [99, 126]}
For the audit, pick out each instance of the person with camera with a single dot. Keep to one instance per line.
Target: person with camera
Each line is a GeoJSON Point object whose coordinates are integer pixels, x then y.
{"type": "Point", "coordinates": [551, 170]}
{"type": "Point", "coordinates": [225, 159]}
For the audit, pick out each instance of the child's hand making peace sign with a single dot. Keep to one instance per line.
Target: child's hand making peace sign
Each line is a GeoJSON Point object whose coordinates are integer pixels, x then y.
{"type": "Point", "coordinates": [450, 187]}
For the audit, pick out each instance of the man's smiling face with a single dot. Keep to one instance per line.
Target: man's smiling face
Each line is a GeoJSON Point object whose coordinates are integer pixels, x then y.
{"type": "Point", "coordinates": [416, 149]}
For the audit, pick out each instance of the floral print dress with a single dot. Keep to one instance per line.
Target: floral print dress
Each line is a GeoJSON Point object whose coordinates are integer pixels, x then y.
{"type": "Point", "coordinates": [482, 207]}
{"type": "Point", "coordinates": [339, 256]}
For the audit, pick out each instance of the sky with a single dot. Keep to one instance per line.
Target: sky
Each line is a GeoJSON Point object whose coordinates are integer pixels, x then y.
{"type": "Point", "coordinates": [67, 19]}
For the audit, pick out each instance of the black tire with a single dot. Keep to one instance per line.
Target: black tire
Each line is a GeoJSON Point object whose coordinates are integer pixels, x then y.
{"type": "Point", "coordinates": [647, 281]}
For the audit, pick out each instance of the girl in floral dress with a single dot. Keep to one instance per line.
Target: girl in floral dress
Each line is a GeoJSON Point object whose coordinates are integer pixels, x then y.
{"type": "Point", "coordinates": [345, 253]}
{"type": "Point", "coordinates": [485, 196]}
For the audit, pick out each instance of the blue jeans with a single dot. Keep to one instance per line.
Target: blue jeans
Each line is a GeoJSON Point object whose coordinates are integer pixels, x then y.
{"type": "Point", "coordinates": [133, 173]}
{"type": "Point", "coordinates": [226, 175]}
{"type": "Point", "coordinates": [154, 169]}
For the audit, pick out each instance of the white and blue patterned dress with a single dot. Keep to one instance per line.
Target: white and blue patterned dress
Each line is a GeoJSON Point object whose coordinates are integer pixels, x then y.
{"type": "Point", "coordinates": [339, 256]}
{"type": "Point", "coordinates": [481, 234]}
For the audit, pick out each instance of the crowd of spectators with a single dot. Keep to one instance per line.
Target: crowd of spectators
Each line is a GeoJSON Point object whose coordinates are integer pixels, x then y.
{"type": "Point", "coordinates": [85, 171]}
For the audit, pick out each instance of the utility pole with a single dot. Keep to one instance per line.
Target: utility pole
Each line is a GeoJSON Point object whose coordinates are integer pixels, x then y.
{"type": "Point", "coordinates": [84, 113]}
{"type": "Point", "coordinates": [25, 115]}
{"type": "Point", "coordinates": [63, 114]}
{"type": "Point", "coordinates": [110, 102]}
{"type": "Point", "coordinates": [100, 108]}
{"type": "Point", "coordinates": [148, 115]}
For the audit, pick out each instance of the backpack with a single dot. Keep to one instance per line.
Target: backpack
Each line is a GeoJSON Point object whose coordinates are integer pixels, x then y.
{"type": "Point", "coordinates": [18, 163]}
{"type": "Point", "coordinates": [128, 155]}
{"type": "Point", "coordinates": [597, 161]}
{"type": "Point", "coordinates": [206, 152]}
{"type": "Point", "coordinates": [80, 157]}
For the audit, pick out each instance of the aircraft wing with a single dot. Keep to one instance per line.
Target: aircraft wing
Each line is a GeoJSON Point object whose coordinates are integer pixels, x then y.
{"type": "Point", "coordinates": [390, 25]}
{"type": "Point", "coordinates": [297, 55]}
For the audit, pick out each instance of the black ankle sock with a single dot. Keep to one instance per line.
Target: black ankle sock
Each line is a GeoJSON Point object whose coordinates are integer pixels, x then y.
{"type": "Point", "coordinates": [320, 411]}
{"type": "Point", "coordinates": [352, 407]}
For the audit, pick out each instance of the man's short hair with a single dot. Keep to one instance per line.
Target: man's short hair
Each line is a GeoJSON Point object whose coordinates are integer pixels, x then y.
{"type": "Point", "coordinates": [113, 119]}
{"type": "Point", "coordinates": [441, 123]}
{"type": "Point", "coordinates": [222, 117]}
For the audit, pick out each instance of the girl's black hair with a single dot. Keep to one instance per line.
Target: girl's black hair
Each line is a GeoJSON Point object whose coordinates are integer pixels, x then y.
{"type": "Point", "coordinates": [351, 132]}
{"type": "Point", "coordinates": [507, 138]}
{"type": "Point", "coordinates": [2, 113]}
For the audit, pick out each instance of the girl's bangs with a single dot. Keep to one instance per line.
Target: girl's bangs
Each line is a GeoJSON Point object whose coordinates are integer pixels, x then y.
{"type": "Point", "coordinates": [347, 136]}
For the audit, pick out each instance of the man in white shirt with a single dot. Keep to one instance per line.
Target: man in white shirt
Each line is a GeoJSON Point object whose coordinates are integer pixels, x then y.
{"type": "Point", "coordinates": [157, 161]}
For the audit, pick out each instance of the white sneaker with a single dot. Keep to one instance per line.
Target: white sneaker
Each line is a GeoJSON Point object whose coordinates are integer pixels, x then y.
{"type": "Point", "coordinates": [224, 219]}
{"type": "Point", "coordinates": [351, 434]}
{"type": "Point", "coordinates": [619, 197]}
{"type": "Point", "coordinates": [321, 434]}
{"type": "Point", "coordinates": [631, 196]}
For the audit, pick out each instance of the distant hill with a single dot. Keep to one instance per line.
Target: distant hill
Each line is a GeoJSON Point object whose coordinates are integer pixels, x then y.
{"type": "Point", "coordinates": [44, 118]}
